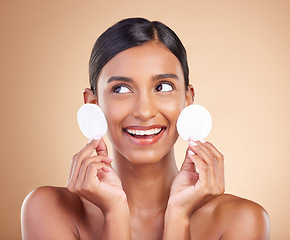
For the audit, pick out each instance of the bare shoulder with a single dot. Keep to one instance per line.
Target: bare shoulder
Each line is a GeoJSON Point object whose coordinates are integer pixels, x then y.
{"type": "Point", "coordinates": [50, 212]}
{"type": "Point", "coordinates": [230, 217]}
{"type": "Point", "coordinates": [241, 218]}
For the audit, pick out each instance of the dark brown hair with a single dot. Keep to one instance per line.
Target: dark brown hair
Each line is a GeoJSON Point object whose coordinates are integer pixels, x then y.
{"type": "Point", "coordinates": [132, 32]}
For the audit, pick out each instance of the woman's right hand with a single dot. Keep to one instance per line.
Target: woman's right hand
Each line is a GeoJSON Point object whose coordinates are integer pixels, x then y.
{"type": "Point", "coordinates": [92, 178]}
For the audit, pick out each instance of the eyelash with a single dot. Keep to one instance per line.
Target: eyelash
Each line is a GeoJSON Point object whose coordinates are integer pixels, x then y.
{"type": "Point", "coordinates": [166, 82]}
{"type": "Point", "coordinates": [120, 85]}
{"type": "Point", "coordinates": [126, 86]}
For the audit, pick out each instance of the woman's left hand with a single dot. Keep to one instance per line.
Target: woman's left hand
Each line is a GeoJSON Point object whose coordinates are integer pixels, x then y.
{"type": "Point", "coordinates": [191, 190]}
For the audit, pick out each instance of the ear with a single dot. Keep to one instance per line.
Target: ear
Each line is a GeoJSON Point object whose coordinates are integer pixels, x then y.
{"type": "Point", "coordinates": [189, 95]}
{"type": "Point", "coordinates": [89, 96]}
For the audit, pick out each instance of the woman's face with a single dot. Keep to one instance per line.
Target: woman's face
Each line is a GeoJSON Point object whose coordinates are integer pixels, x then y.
{"type": "Point", "coordinates": [142, 92]}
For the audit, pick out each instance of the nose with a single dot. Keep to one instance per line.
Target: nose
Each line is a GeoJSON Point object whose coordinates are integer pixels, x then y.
{"type": "Point", "coordinates": [145, 107]}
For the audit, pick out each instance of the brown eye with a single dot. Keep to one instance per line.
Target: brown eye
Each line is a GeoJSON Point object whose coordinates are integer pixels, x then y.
{"type": "Point", "coordinates": [164, 87]}
{"type": "Point", "coordinates": [121, 89]}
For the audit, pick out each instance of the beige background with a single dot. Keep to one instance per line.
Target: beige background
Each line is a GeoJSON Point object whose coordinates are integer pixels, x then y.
{"type": "Point", "coordinates": [239, 58]}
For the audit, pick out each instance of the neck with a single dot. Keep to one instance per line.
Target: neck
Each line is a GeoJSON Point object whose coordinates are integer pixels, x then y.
{"type": "Point", "coordinates": [147, 186]}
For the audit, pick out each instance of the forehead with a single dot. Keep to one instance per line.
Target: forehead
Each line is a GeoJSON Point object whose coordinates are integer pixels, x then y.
{"type": "Point", "coordinates": [145, 60]}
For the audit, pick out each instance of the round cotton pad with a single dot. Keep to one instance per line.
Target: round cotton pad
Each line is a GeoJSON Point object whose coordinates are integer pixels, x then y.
{"type": "Point", "coordinates": [92, 121]}
{"type": "Point", "coordinates": [194, 121]}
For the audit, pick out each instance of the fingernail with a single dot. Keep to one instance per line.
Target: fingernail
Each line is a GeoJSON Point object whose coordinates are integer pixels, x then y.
{"type": "Point", "coordinates": [192, 143]}
{"type": "Point", "coordinates": [97, 137]}
{"type": "Point", "coordinates": [111, 157]}
{"type": "Point", "coordinates": [191, 152]}
{"type": "Point", "coordinates": [202, 141]}
{"type": "Point", "coordinates": [193, 139]}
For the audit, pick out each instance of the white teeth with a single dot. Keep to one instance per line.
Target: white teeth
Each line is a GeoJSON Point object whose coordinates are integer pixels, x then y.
{"type": "Point", "coordinates": [144, 132]}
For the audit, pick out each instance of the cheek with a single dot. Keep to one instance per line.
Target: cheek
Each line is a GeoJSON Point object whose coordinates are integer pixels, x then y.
{"type": "Point", "coordinates": [171, 107]}
{"type": "Point", "coordinates": [115, 112]}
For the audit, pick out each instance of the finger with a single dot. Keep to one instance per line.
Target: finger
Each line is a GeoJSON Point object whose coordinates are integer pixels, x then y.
{"type": "Point", "coordinates": [101, 148]}
{"type": "Point", "coordinates": [73, 166]}
{"type": "Point", "coordinates": [188, 164]}
{"type": "Point", "coordinates": [201, 167]}
{"type": "Point", "coordinates": [86, 162]}
{"type": "Point", "coordinates": [203, 146]}
{"type": "Point", "coordinates": [85, 153]}
{"type": "Point", "coordinates": [219, 157]}
{"type": "Point", "coordinates": [92, 146]}
{"type": "Point", "coordinates": [210, 161]}
{"type": "Point", "coordinates": [220, 164]}
{"type": "Point", "coordinates": [74, 158]}
{"type": "Point", "coordinates": [91, 180]}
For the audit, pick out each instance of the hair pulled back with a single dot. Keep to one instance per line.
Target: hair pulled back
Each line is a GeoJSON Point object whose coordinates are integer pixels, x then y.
{"type": "Point", "coordinates": [132, 32]}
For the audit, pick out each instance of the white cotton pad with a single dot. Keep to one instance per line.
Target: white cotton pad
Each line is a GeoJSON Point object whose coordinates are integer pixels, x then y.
{"type": "Point", "coordinates": [92, 121]}
{"type": "Point", "coordinates": [194, 121]}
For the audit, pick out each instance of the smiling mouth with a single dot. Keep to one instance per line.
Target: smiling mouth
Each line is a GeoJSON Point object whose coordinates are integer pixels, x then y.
{"type": "Point", "coordinates": [144, 134]}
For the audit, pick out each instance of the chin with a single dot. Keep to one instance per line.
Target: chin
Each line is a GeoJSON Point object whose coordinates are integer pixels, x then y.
{"type": "Point", "coordinates": [145, 157]}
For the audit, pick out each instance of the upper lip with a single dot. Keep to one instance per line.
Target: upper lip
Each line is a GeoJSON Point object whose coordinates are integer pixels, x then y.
{"type": "Point", "coordinates": [144, 128]}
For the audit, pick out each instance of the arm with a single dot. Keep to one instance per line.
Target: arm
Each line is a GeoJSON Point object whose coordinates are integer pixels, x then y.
{"type": "Point", "coordinates": [47, 212]}
{"type": "Point", "coordinates": [176, 225]}
{"type": "Point", "coordinates": [191, 190]}
{"type": "Point", "coordinates": [92, 178]}
{"type": "Point", "coordinates": [117, 223]}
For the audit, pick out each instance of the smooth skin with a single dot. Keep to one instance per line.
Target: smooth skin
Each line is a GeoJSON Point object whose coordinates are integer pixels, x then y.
{"type": "Point", "coordinates": [140, 194]}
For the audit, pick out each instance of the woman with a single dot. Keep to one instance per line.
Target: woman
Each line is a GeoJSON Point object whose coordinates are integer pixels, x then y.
{"type": "Point", "coordinates": [139, 78]}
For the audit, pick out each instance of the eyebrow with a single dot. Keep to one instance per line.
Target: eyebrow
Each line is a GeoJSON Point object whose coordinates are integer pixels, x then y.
{"type": "Point", "coordinates": [155, 78]}
{"type": "Point", "coordinates": [119, 78]}
{"type": "Point", "coordinates": [166, 75]}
